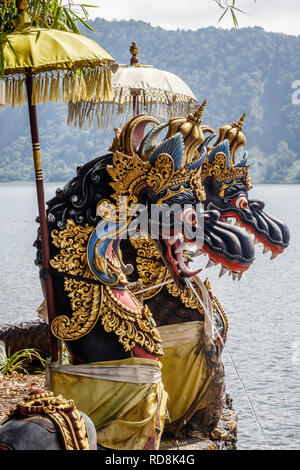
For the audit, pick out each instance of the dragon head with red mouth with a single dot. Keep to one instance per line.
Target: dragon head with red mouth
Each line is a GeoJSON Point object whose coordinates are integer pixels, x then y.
{"type": "Point", "coordinates": [227, 185]}
{"type": "Point", "coordinates": [166, 177]}
{"type": "Point", "coordinates": [186, 231]}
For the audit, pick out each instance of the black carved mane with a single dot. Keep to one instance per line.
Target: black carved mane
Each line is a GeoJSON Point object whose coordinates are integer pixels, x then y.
{"type": "Point", "coordinates": [78, 199]}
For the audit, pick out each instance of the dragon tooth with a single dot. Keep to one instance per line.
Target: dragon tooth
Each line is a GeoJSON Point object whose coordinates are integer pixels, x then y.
{"type": "Point", "coordinates": [265, 250]}
{"type": "Point", "coordinates": [234, 276]}
{"type": "Point", "coordinates": [223, 271]}
{"type": "Point", "coordinates": [240, 276]}
{"type": "Point", "coordinates": [274, 255]}
{"type": "Point", "coordinates": [210, 263]}
{"type": "Point", "coordinates": [199, 253]}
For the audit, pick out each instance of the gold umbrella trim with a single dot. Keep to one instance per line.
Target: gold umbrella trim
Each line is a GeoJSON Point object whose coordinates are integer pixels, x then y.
{"type": "Point", "coordinates": [64, 66]}
{"type": "Point", "coordinates": [59, 85]}
{"type": "Point", "coordinates": [155, 102]}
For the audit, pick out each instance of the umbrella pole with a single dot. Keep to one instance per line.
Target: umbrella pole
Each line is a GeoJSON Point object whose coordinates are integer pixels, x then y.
{"type": "Point", "coordinates": [47, 279]}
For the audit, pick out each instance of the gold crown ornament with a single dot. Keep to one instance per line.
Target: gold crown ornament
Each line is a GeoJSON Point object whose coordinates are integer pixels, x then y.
{"type": "Point", "coordinates": [221, 159]}
{"type": "Point", "coordinates": [192, 131]}
{"type": "Point", "coordinates": [233, 133]}
{"type": "Point", "coordinates": [139, 163]}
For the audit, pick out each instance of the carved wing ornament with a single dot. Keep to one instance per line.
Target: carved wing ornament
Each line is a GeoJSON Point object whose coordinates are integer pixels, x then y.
{"type": "Point", "coordinates": [93, 302]}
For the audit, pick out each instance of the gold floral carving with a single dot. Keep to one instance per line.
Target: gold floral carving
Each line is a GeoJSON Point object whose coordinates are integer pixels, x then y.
{"type": "Point", "coordinates": [219, 170]}
{"type": "Point", "coordinates": [133, 327]}
{"type": "Point", "coordinates": [130, 175]}
{"type": "Point", "coordinates": [152, 270]}
{"type": "Point", "coordinates": [160, 175]}
{"type": "Point", "coordinates": [187, 296]}
{"type": "Point", "coordinates": [85, 298]}
{"type": "Point", "coordinates": [89, 302]}
{"type": "Point", "coordinates": [63, 413]}
{"type": "Point", "coordinates": [233, 133]}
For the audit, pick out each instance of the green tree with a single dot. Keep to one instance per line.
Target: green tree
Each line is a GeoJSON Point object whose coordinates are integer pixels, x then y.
{"type": "Point", "coordinates": [279, 163]}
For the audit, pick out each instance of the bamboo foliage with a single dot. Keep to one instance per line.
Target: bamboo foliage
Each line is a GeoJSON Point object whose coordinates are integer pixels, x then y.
{"type": "Point", "coordinates": [68, 76]}
{"type": "Point", "coordinates": [229, 6]}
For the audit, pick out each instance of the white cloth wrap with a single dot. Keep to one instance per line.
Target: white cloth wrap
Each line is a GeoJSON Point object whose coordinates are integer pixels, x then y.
{"type": "Point", "coordinates": [208, 307]}
{"type": "Point", "coordinates": [180, 333]}
{"type": "Point", "coordinates": [122, 373]}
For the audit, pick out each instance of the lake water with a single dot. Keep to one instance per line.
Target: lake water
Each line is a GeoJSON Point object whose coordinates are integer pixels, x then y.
{"type": "Point", "coordinates": [263, 311]}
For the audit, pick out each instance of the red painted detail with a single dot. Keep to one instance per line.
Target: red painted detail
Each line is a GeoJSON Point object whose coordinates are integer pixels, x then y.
{"type": "Point", "coordinates": [109, 251]}
{"type": "Point", "coordinates": [232, 265]}
{"type": "Point", "coordinates": [35, 391]}
{"type": "Point", "coordinates": [171, 259]}
{"type": "Point", "coordinates": [124, 297]}
{"type": "Point", "coordinates": [261, 238]}
{"type": "Point", "coordinates": [241, 202]}
{"type": "Point", "coordinates": [140, 352]}
{"type": "Point", "coordinates": [4, 446]}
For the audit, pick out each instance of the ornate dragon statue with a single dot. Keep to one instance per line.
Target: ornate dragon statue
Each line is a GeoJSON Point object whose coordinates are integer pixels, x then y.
{"type": "Point", "coordinates": [226, 185]}
{"type": "Point", "coordinates": [128, 301]}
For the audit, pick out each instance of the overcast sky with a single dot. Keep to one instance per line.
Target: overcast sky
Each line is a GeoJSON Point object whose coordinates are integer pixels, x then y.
{"type": "Point", "coordinates": [273, 15]}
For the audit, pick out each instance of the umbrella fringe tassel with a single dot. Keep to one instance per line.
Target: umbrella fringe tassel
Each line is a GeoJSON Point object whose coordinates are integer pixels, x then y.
{"type": "Point", "coordinates": [58, 85]}
{"type": "Point", "coordinates": [115, 114]}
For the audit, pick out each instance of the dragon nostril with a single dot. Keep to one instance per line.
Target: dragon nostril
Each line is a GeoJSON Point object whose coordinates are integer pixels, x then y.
{"type": "Point", "coordinates": [256, 205]}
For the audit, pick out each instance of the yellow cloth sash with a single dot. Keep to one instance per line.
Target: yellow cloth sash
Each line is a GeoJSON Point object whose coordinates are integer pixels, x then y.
{"type": "Point", "coordinates": [126, 414]}
{"type": "Point", "coordinates": [185, 371]}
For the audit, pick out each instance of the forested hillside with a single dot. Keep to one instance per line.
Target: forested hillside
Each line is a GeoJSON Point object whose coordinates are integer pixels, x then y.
{"type": "Point", "coordinates": [237, 70]}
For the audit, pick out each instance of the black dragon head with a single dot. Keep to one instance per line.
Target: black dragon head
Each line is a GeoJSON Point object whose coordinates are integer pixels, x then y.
{"type": "Point", "coordinates": [155, 188]}
{"type": "Point", "coordinates": [227, 186]}
{"type": "Point", "coordinates": [161, 185]}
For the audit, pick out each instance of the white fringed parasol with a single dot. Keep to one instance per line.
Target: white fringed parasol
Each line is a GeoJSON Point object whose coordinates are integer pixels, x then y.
{"type": "Point", "coordinates": [137, 89]}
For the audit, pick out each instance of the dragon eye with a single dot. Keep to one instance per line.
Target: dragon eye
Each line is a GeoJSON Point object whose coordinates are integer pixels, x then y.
{"type": "Point", "coordinates": [240, 202]}
{"type": "Point", "coordinates": [189, 216]}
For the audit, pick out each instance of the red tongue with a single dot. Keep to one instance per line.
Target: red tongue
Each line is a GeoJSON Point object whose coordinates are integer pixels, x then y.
{"type": "Point", "coordinates": [183, 266]}
{"type": "Point", "coordinates": [181, 263]}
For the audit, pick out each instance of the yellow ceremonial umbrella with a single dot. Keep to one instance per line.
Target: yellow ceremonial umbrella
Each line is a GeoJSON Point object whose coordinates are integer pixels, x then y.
{"type": "Point", "coordinates": [136, 88]}
{"type": "Point", "coordinates": [44, 65]}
